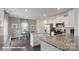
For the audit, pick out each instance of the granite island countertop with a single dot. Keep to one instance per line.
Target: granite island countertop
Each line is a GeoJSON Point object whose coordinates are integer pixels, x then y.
{"type": "Point", "coordinates": [63, 42]}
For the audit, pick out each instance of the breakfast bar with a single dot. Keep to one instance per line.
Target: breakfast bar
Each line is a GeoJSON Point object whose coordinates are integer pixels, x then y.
{"type": "Point", "coordinates": [60, 43]}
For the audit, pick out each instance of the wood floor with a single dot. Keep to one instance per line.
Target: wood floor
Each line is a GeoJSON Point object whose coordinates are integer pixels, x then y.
{"type": "Point", "coordinates": [21, 45]}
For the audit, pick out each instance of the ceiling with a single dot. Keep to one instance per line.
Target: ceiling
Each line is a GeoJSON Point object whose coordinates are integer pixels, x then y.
{"type": "Point", "coordinates": [35, 13]}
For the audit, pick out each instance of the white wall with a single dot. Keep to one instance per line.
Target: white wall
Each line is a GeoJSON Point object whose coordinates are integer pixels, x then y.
{"type": "Point", "coordinates": [5, 28]}
{"type": "Point", "coordinates": [1, 25]}
{"type": "Point", "coordinates": [14, 31]}
{"type": "Point", "coordinates": [1, 20]}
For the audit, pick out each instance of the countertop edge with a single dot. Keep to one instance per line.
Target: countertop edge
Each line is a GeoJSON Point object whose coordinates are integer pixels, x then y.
{"type": "Point", "coordinates": [52, 44]}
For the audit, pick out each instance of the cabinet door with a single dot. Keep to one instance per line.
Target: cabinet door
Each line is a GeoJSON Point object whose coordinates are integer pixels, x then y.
{"type": "Point", "coordinates": [71, 18]}
{"type": "Point", "coordinates": [60, 19]}
{"type": "Point", "coordinates": [66, 21]}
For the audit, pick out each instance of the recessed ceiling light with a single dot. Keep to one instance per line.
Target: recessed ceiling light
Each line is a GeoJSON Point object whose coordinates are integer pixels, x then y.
{"type": "Point", "coordinates": [44, 14]}
{"type": "Point", "coordinates": [26, 9]}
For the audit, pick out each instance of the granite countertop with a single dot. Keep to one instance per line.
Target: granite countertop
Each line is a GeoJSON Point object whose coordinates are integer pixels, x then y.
{"type": "Point", "coordinates": [63, 42]}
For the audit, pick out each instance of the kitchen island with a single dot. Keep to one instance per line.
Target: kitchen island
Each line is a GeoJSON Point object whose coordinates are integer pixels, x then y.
{"type": "Point", "coordinates": [60, 43]}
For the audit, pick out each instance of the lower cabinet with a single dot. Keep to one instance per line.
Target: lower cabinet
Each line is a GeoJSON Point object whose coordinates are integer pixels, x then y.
{"type": "Point", "coordinates": [47, 47]}
{"type": "Point", "coordinates": [34, 40]}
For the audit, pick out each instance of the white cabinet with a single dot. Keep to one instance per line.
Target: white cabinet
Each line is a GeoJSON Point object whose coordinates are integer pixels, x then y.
{"type": "Point", "coordinates": [66, 21]}
{"type": "Point", "coordinates": [50, 21]}
{"type": "Point", "coordinates": [69, 19]}
{"type": "Point", "coordinates": [60, 19]}
{"type": "Point", "coordinates": [34, 39]}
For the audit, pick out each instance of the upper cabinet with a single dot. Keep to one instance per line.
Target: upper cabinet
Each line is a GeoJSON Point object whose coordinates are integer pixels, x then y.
{"type": "Point", "coordinates": [60, 19]}
{"type": "Point", "coordinates": [69, 19]}
{"type": "Point", "coordinates": [66, 21]}
{"type": "Point", "coordinates": [66, 18]}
